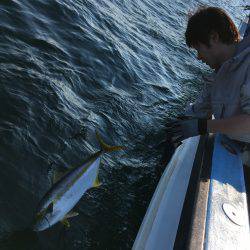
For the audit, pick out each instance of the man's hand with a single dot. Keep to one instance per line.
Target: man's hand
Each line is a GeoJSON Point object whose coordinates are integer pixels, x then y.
{"type": "Point", "coordinates": [184, 128]}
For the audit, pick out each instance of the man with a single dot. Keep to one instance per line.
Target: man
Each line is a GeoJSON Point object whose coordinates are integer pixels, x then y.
{"type": "Point", "coordinates": [226, 96]}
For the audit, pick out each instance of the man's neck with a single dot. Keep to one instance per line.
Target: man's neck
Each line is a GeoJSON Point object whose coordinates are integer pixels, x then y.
{"type": "Point", "coordinates": [228, 51]}
{"type": "Point", "coordinates": [225, 52]}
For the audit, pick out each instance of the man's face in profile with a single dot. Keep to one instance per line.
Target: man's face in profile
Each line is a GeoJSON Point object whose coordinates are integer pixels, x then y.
{"type": "Point", "coordinates": [209, 54]}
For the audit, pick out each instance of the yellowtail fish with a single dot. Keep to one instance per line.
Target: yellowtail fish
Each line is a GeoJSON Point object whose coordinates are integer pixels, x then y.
{"type": "Point", "coordinates": [58, 202]}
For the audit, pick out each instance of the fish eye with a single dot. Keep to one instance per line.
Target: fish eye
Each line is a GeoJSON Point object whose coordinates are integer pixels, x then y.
{"type": "Point", "coordinates": [50, 208]}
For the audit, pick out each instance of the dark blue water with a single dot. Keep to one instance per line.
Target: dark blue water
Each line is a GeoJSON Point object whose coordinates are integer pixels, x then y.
{"type": "Point", "coordinates": [68, 68]}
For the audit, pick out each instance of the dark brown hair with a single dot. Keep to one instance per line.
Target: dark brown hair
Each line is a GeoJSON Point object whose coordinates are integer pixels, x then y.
{"type": "Point", "coordinates": [208, 20]}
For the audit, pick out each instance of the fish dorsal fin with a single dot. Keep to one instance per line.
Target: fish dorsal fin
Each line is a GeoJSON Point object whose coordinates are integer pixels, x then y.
{"type": "Point", "coordinates": [97, 183]}
{"type": "Point", "coordinates": [71, 214]}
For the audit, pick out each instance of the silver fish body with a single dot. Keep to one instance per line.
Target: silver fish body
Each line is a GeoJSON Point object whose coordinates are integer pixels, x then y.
{"type": "Point", "coordinates": [64, 195]}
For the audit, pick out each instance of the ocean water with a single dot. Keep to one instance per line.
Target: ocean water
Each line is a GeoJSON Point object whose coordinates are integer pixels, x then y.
{"type": "Point", "coordinates": [69, 68]}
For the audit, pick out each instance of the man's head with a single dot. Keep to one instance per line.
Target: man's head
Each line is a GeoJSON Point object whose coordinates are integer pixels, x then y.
{"type": "Point", "coordinates": [213, 34]}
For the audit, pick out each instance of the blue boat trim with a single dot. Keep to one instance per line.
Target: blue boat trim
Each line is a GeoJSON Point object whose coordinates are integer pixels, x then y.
{"type": "Point", "coordinates": [227, 188]}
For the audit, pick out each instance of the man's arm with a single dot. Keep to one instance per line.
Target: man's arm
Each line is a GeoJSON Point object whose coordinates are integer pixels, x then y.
{"type": "Point", "coordinates": [238, 124]}
{"type": "Point", "coordinates": [233, 126]}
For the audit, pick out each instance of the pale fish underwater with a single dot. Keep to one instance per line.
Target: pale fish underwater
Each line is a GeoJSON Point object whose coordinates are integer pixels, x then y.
{"type": "Point", "coordinates": [58, 202]}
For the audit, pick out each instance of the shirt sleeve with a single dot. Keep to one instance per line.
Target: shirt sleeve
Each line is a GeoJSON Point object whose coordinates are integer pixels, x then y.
{"type": "Point", "coordinates": [201, 108]}
{"type": "Point", "coordinates": [245, 94]}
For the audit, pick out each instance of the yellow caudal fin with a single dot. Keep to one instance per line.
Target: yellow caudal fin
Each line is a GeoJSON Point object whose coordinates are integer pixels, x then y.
{"type": "Point", "coordinates": [105, 147]}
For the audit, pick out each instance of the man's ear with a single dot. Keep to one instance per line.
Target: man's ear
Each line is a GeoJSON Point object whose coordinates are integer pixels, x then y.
{"type": "Point", "coordinates": [214, 37]}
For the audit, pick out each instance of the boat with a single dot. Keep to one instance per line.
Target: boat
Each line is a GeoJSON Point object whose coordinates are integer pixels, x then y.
{"type": "Point", "coordinates": [202, 198]}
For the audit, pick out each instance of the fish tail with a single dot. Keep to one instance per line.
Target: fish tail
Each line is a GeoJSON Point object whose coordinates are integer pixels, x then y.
{"type": "Point", "coordinates": [105, 147]}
